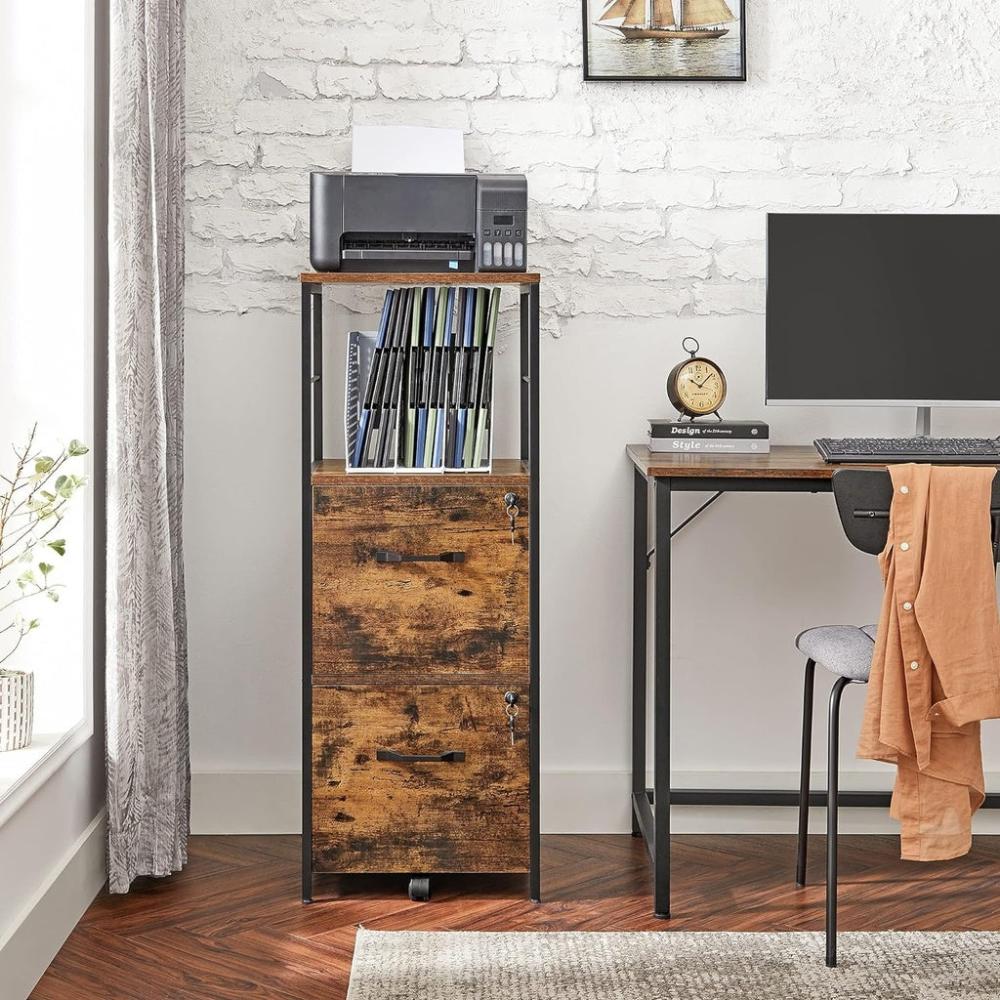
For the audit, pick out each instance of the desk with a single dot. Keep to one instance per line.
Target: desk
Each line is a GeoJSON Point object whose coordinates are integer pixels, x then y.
{"type": "Point", "coordinates": [785, 469]}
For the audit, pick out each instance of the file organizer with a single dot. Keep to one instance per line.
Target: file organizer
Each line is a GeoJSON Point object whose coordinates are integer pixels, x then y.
{"type": "Point", "coordinates": [383, 556]}
{"type": "Point", "coordinates": [419, 391]}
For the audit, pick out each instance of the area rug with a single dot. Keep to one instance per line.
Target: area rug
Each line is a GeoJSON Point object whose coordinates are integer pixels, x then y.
{"type": "Point", "coordinates": [468, 965]}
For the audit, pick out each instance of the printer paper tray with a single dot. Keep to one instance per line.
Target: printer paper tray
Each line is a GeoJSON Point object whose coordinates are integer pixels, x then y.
{"type": "Point", "coordinates": [407, 260]}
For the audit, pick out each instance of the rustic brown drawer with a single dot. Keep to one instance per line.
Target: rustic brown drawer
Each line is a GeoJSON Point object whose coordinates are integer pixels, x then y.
{"type": "Point", "coordinates": [467, 812]}
{"type": "Point", "coordinates": [377, 612]}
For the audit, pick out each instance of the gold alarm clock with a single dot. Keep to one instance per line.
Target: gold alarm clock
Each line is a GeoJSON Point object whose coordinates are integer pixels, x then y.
{"type": "Point", "coordinates": [696, 387]}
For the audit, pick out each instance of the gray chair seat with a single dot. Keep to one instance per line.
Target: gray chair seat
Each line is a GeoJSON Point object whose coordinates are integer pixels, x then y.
{"type": "Point", "coordinates": [845, 650]}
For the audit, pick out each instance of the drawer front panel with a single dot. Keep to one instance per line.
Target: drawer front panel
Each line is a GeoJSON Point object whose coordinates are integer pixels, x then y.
{"type": "Point", "coordinates": [419, 578]}
{"type": "Point", "coordinates": [464, 810]}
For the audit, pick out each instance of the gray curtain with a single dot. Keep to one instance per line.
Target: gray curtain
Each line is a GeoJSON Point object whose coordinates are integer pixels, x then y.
{"type": "Point", "coordinates": [147, 720]}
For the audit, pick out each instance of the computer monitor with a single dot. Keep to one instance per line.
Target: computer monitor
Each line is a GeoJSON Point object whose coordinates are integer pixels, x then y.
{"type": "Point", "coordinates": [894, 310]}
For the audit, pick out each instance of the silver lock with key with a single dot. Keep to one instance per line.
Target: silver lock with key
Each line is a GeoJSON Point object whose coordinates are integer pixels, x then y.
{"type": "Point", "coordinates": [510, 701]}
{"type": "Point", "coordinates": [510, 505]}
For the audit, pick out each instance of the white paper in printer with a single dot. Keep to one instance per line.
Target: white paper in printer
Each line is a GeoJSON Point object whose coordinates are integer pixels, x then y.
{"type": "Point", "coordinates": [406, 149]}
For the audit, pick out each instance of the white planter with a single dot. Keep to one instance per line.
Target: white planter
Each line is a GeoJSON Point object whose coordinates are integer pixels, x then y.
{"type": "Point", "coordinates": [17, 704]}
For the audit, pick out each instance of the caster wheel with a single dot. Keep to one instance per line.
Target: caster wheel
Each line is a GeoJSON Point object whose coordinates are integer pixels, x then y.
{"type": "Point", "coordinates": [420, 889]}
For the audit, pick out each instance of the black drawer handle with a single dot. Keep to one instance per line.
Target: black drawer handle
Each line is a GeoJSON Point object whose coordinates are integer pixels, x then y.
{"type": "Point", "coordinates": [387, 556]}
{"type": "Point", "coordinates": [446, 757]}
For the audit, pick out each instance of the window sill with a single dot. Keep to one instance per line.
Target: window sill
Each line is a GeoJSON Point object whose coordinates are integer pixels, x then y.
{"type": "Point", "coordinates": [23, 772]}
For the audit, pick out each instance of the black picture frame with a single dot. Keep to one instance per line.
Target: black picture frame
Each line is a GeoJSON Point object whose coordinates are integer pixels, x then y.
{"type": "Point", "coordinates": [667, 77]}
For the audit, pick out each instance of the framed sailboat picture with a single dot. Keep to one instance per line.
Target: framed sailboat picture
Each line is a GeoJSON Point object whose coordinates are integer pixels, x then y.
{"type": "Point", "coordinates": [664, 40]}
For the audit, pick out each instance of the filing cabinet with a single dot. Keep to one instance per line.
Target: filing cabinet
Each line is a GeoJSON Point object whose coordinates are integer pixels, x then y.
{"type": "Point", "coordinates": [420, 645]}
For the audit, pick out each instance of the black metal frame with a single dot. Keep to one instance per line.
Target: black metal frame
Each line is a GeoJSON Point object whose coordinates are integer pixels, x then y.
{"type": "Point", "coordinates": [588, 76]}
{"type": "Point", "coordinates": [312, 451]}
{"type": "Point", "coordinates": [651, 806]}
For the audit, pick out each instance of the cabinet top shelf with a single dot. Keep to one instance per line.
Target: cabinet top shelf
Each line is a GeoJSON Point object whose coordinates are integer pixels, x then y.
{"type": "Point", "coordinates": [422, 278]}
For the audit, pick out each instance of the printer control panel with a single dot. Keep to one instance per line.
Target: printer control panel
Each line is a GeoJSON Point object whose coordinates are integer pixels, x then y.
{"type": "Point", "coordinates": [501, 222]}
{"type": "Point", "coordinates": [502, 242]}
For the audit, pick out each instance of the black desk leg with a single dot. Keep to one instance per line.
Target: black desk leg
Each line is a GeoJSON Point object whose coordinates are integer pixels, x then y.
{"type": "Point", "coordinates": [661, 700]}
{"type": "Point", "coordinates": [640, 569]}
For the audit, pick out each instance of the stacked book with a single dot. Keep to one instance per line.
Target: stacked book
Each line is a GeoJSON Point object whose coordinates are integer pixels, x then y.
{"type": "Point", "coordinates": [428, 390]}
{"type": "Point", "coordinates": [740, 437]}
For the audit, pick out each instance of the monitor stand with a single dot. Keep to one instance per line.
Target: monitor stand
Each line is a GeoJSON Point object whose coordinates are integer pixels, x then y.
{"type": "Point", "coordinates": [923, 428]}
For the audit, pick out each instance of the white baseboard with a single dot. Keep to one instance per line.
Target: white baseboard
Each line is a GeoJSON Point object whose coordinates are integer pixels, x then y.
{"type": "Point", "coordinates": [572, 802]}
{"type": "Point", "coordinates": [47, 919]}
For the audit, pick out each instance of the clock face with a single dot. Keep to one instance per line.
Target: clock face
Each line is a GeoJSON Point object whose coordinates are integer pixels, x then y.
{"type": "Point", "coordinates": [700, 386]}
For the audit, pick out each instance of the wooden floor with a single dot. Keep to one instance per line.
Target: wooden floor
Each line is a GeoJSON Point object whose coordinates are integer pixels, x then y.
{"type": "Point", "coordinates": [231, 925]}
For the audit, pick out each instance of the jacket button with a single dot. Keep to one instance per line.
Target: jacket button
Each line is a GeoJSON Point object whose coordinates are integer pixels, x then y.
{"type": "Point", "coordinates": [907, 606]}
{"type": "Point", "coordinates": [904, 489]}
{"type": "Point", "coordinates": [914, 665]}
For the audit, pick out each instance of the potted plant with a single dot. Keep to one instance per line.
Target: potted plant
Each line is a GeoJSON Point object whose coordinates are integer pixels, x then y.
{"type": "Point", "coordinates": [33, 499]}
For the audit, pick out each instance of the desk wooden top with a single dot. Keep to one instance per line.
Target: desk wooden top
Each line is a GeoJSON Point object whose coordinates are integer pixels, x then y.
{"type": "Point", "coordinates": [781, 462]}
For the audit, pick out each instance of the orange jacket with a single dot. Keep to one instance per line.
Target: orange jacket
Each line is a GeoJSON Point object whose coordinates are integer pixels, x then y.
{"type": "Point", "coordinates": [936, 667]}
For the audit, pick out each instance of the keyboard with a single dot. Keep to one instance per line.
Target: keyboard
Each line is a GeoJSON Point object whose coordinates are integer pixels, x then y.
{"type": "Point", "coordinates": [960, 451]}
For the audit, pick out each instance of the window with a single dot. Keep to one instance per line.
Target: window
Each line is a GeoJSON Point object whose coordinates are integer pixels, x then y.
{"type": "Point", "coordinates": [46, 327]}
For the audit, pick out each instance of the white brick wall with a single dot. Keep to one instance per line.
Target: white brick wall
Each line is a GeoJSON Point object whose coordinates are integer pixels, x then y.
{"type": "Point", "coordinates": [646, 198]}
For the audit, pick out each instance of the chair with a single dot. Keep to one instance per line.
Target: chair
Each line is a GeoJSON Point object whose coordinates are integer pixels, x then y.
{"type": "Point", "coordinates": [863, 498]}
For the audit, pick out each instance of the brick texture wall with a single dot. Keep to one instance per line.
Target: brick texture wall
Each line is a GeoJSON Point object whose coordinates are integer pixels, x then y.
{"type": "Point", "coordinates": [647, 199]}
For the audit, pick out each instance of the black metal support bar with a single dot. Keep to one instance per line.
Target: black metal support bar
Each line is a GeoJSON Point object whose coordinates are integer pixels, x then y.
{"type": "Point", "coordinates": [787, 797]}
{"type": "Point", "coordinates": [530, 331]}
{"type": "Point", "coordinates": [312, 449]}
{"type": "Point", "coordinates": [640, 567]}
{"type": "Point", "coordinates": [524, 385]}
{"type": "Point", "coordinates": [708, 503]}
{"type": "Point", "coordinates": [715, 484]}
{"type": "Point", "coordinates": [642, 820]}
{"type": "Point", "coordinates": [661, 701]}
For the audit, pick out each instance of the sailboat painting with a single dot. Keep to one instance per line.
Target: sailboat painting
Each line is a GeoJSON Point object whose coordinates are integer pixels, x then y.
{"type": "Point", "coordinates": [664, 40]}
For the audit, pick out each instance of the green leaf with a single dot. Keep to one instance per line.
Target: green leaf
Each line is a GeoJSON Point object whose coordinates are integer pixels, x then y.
{"type": "Point", "coordinates": [76, 448]}
{"type": "Point", "coordinates": [52, 595]}
{"type": "Point", "coordinates": [65, 486]}
{"type": "Point", "coordinates": [33, 624]}
{"type": "Point", "coordinates": [26, 579]}
{"type": "Point", "coordinates": [44, 464]}
{"type": "Point", "coordinates": [58, 546]}
{"type": "Point", "coordinates": [45, 568]}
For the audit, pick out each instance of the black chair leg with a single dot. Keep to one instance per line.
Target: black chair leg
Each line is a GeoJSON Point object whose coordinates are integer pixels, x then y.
{"type": "Point", "coordinates": [804, 773]}
{"type": "Point", "coordinates": [833, 775]}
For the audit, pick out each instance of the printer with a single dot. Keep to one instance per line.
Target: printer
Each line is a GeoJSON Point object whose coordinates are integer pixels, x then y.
{"type": "Point", "coordinates": [418, 222]}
